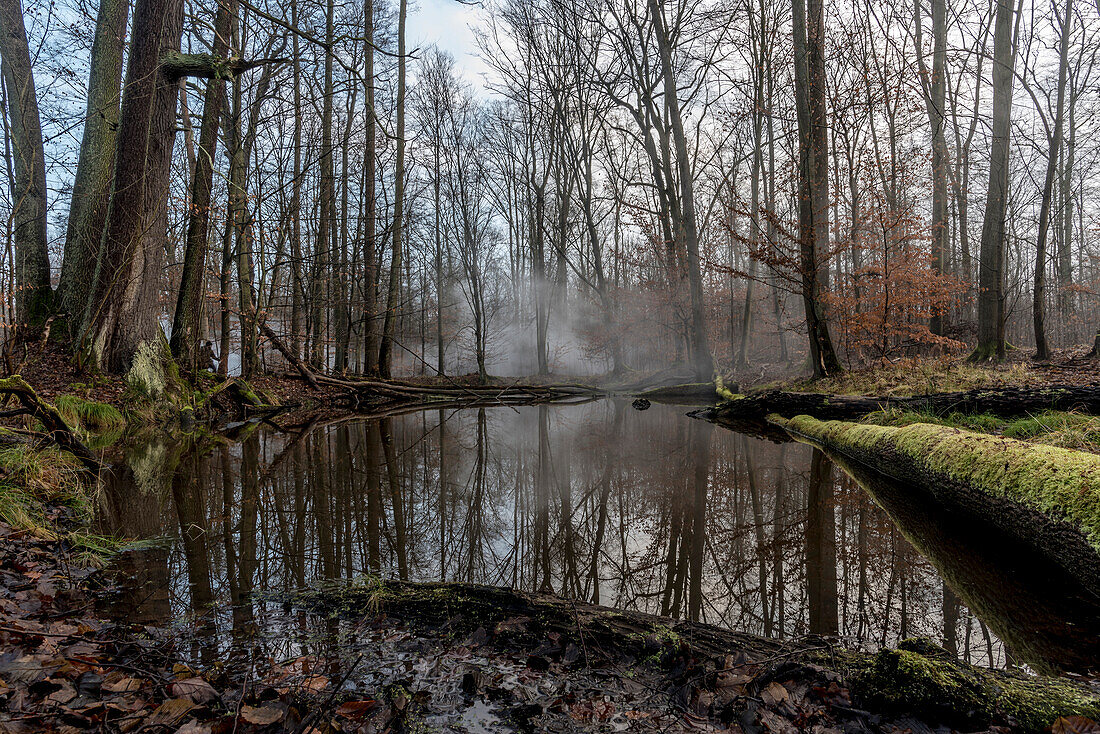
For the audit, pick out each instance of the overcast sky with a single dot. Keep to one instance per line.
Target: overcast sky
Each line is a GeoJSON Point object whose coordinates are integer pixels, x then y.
{"type": "Point", "coordinates": [447, 24]}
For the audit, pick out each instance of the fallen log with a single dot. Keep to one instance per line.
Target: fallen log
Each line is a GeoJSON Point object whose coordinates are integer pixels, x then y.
{"type": "Point", "coordinates": [918, 678]}
{"type": "Point", "coordinates": [1008, 401]}
{"type": "Point", "coordinates": [50, 418]}
{"type": "Point", "coordinates": [294, 359]}
{"type": "Point", "coordinates": [1047, 617]}
{"type": "Point", "coordinates": [1047, 495]}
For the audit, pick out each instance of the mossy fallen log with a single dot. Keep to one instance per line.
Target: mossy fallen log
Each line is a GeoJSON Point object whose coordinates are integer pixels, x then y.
{"type": "Point", "coordinates": [60, 431]}
{"type": "Point", "coordinates": [1045, 616]}
{"type": "Point", "coordinates": [1048, 495]}
{"type": "Point", "coordinates": [1009, 401]}
{"type": "Point", "coordinates": [918, 678]}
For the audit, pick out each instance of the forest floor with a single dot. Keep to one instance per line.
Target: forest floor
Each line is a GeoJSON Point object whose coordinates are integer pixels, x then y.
{"type": "Point", "coordinates": [65, 666]}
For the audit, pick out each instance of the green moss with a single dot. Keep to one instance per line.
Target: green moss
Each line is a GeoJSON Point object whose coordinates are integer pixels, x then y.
{"type": "Point", "coordinates": [1060, 483]}
{"type": "Point", "coordinates": [724, 392]}
{"type": "Point", "coordinates": [920, 676]}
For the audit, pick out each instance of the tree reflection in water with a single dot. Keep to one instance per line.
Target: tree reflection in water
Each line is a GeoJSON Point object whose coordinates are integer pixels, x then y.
{"type": "Point", "coordinates": [639, 510]}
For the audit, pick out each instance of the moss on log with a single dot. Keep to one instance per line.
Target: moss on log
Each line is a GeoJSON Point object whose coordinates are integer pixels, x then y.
{"type": "Point", "coordinates": [1045, 496]}
{"type": "Point", "coordinates": [1061, 484]}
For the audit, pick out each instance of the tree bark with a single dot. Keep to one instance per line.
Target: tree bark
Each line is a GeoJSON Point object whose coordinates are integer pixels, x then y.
{"type": "Point", "coordinates": [1038, 306]}
{"type": "Point", "coordinates": [92, 184]}
{"type": "Point", "coordinates": [385, 354]}
{"type": "Point", "coordinates": [688, 232]}
{"type": "Point", "coordinates": [991, 341]}
{"type": "Point", "coordinates": [187, 322]}
{"type": "Point", "coordinates": [28, 185]}
{"type": "Point", "coordinates": [813, 211]}
{"type": "Point", "coordinates": [121, 311]}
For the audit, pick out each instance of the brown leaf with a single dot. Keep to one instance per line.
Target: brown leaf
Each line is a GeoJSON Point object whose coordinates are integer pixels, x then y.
{"type": "Point", "coordinates": [1075, 725]}
{"type": "Point", "coordinates": [356, 709]}
{"type": "Point", "coordinates": [774, 694]}
{"type": "Point", "coordinates": [776, 724]}
{"type": "Point", "coordinates": [123, 684]}
{"type": "Point", "coordinates": [194, 727]}
{"type": "Point", "coordinates": [265, 715]}
{"type": "Point", "coordinates": [194, 689]}
{"type": "Point", "coordinates": [170, 712]}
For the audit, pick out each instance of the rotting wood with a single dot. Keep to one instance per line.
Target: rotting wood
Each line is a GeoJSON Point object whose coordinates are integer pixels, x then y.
{"type": "Point", "coordinates": [916, 678]}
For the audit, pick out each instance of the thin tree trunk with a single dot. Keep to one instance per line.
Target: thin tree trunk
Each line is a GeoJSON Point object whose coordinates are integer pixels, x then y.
{"type": "Point", "coordinates": [186, 324]}
{"type": "Point", "coordinates": [28, 186]}
{"type": "Point", "coordinates": [1042, 350]}
{"type": "Point", "coordinates": [813, 213]}
{"type": "Point", "coordinates": [991, 343]}
{"type": "Point", "coordinates": [385, 354]}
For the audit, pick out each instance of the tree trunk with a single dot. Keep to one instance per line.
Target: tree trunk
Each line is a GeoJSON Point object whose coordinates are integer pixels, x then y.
{"type": "Point", "coordinates": [813, 212]}
{"type": "Point", "coordinates": [935, 101]}
{"type": "Point", "coordinates": [991, 343]}
{"type": "Point", "coordinates": [186, 324]}
{"type": "Point", "coordinates": [122, 309]}
{"type": "Point", "coordinates": [1042, 351]}
{"type": "Point", "coordinates": [28, 186]}
{"type": "Point", "coordinates": [688, 227]}
{"type": "Point", "coordinates": [370, 204]}
{"type": "Point", "coordinates": [385, 353]}
{"type": "Point", "coordinates": [92, 184]}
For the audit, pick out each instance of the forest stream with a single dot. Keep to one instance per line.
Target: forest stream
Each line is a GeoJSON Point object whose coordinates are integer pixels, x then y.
{"type": "Point", "coordinates": [640, 510]}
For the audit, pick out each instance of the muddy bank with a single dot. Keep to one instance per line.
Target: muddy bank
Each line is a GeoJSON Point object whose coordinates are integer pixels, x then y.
{"type": "Point", "coordinates": [720, 676]}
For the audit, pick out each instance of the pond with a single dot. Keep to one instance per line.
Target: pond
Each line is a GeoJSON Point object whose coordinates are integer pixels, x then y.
{"type": "Point", "coordinates": [646, 510]}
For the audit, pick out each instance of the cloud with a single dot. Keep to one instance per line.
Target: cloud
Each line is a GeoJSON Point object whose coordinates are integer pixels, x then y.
{"type": "Point", "coordinates": [453, 27]}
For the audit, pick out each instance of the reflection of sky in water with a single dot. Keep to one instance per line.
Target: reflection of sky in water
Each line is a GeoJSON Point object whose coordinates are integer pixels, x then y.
{"type": "Point", "coordinates": [595, 502]}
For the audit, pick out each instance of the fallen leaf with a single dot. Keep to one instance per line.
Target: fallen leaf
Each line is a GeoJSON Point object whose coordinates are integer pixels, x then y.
{"type": "Point", "coordinates": [356, 709]}
{"type": "Point", "coordinates": [1075, 725]}
{"type": "Point", "coordinates": [122, 685]}
{"type": "Point", "coordinates": [265, 715]}
{"type": "Point", "coordinates": [774, 694]}
{"type": "Point", "coordinates": [193, 689]}
{"type": "Point", "coordinates": [170, 713]}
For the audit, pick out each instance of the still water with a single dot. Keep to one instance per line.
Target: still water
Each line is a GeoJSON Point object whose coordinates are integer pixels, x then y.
{"type": "Point", "coordinates": [649, 510]}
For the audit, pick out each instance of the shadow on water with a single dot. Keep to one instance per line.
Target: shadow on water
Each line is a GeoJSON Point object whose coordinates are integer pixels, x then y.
{"type": "Point", "coordinates": [649, 511]}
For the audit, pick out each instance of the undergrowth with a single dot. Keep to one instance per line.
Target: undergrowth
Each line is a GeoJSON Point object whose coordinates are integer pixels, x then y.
{"type": "Point", "coordinates": [32, 480]}
{"type": "Point", "coordinates": [919, 377]}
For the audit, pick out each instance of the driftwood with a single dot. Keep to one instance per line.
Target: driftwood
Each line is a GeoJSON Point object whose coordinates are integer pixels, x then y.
{"type": "Point", "coordinates": [376, 395]}
{"type": "Point", "coordinates": [1009, 401]}
{"type": "Point", "coordinates": [55, 425]}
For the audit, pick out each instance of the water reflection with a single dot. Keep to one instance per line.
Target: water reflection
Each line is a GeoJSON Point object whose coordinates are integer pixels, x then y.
{"type": "Point", "coordinates": [641, 510]}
